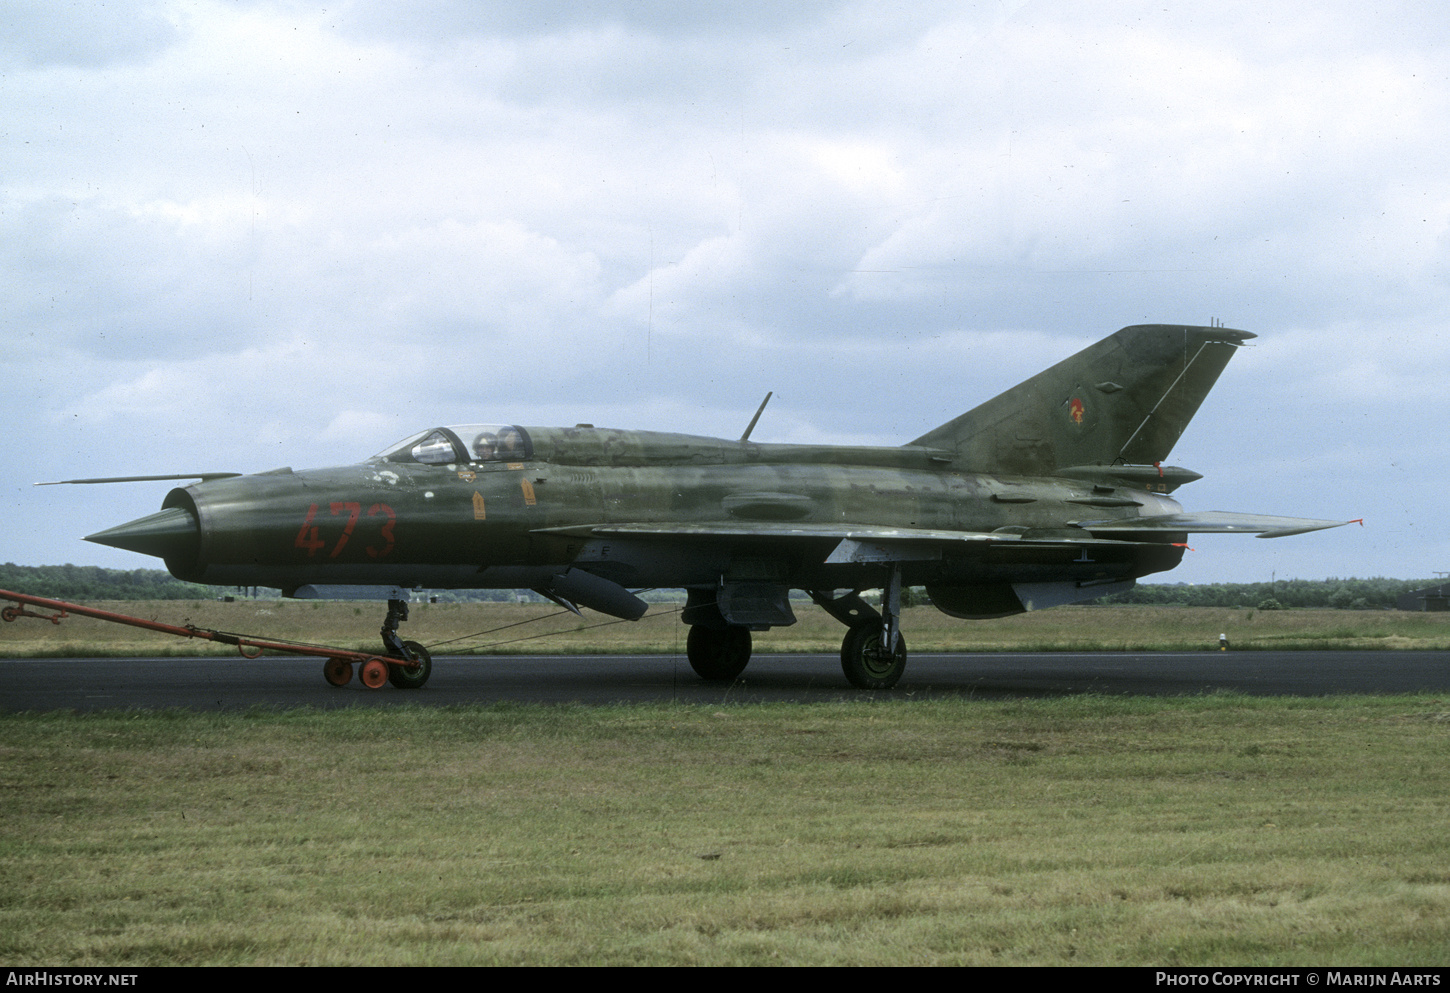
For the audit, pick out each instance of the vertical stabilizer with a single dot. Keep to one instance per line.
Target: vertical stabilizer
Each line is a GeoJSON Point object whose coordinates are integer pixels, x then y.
{"type": "Point", "coordinates": [1126, 399]}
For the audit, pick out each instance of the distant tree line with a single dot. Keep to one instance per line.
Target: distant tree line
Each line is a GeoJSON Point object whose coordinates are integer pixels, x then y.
{"type": "Point", "coordinates": [89, 582]}
{"type": "Point", "coordinates": [1337, 594]}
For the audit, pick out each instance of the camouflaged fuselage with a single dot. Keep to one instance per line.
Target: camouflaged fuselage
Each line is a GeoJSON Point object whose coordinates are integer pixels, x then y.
{"type": "Point", "coordinates": [698, 509]}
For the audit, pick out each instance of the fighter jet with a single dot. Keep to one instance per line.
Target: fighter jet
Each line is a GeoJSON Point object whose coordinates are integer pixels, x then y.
{"type": "Point", "coordinates": [1053, 492]}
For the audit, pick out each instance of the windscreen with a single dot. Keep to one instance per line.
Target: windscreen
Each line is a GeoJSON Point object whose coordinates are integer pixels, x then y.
{"type": "Point", "coordinates": [461, 443]}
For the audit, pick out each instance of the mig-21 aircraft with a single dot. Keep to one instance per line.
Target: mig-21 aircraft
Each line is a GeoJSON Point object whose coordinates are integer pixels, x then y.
{"type": "Point", "coordinates": [1052, 493]}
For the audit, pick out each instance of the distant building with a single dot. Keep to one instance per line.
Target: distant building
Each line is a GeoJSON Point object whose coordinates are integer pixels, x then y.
{"type": "Point", "coordinates": [1433, 598]}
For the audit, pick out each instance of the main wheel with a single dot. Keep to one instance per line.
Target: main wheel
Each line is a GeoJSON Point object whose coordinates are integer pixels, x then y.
{"type": "Point", "coordinates": [718, 655]}
{"type": "Point", "coordinates": [867, 665]}
{"type": "Point", "coordinates": [337, 672]}
{"type": "Point", "coordinates": [412, 679]}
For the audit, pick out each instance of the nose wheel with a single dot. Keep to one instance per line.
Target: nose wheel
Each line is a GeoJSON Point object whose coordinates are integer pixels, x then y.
{"type": "Point", "coordinates": [412, 679]}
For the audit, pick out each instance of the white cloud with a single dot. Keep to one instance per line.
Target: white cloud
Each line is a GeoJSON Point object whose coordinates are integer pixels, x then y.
{"type": "Point", "coordinates": [39, 33]}
{"type": "Point", "coordinates": [283, 233]}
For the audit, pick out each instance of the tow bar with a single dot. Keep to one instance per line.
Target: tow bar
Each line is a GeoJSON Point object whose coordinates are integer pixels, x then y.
{"type": "Point", "coordinates": [375, 670]}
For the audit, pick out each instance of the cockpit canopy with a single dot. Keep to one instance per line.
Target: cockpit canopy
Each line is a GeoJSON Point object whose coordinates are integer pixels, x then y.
{"type": "Point", "coordinates": [460, 443]}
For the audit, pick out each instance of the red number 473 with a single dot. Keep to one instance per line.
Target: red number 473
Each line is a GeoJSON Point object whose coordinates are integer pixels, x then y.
{"type": "Point", "coordinates": [309, 539]}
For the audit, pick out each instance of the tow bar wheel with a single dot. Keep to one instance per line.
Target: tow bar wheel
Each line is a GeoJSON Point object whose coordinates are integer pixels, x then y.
{"type": "Point", "coordinates": [374, 674]}
{"type": "Point", "coordinates": [337, 672]}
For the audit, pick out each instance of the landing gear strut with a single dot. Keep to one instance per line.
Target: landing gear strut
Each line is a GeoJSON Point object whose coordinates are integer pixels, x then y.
{"type": "Point", "coordinates": [397, 611]}
{"type": "Point", "coordinates": [873, 653]}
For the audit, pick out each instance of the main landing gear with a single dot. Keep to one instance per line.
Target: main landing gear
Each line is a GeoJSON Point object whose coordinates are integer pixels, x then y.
{"type": "Point", "coordinates": [866, 660]}
{"type": "Point", "coordinates": [873, 653]}
{"type": "Point", "coordinates": [718, 650]}
{"type": "Point", "coordinates": [718, 654]}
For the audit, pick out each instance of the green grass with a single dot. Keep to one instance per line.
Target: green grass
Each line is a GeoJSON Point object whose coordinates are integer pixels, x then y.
{"type": "Point", "coordinates": [1204, 830]}
{"type": "Point", "coordinates": [495, 628]}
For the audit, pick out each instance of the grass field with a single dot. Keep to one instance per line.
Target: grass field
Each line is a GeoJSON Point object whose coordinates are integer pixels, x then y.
{"type": "Point", "coordinates": [1203, 830]}
{"type": "Point", "coordinates": [546, 628]}
{"type": "Point", "coordinates": [1081, 830]}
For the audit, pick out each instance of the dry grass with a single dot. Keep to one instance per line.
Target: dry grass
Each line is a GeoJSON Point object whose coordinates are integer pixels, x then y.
{"type": "Point", "coordinates": [1211, 830]}
{"type": "Point", "coordinates": [545, 628]}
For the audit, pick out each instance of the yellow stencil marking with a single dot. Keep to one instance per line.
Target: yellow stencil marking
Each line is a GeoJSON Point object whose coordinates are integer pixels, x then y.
{"type": "Point", "coordinates": [528, 489]}
{"type": "Point", "coordinates": [467, 476]}
{"type": "Point", "coordinates": [477, 506]}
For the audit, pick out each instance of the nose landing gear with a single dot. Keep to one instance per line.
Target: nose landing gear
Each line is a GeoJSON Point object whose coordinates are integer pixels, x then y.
{"type": "Point", "coordinates": [401, 676]}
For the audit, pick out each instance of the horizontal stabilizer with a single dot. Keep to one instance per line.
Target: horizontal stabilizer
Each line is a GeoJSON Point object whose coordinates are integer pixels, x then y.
{"type": "Point", "coordinates": [1214, 522]}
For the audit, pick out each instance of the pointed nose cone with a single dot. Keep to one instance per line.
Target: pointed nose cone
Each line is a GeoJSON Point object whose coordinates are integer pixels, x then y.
{"type": "Point", "coordinates": [170, 533]}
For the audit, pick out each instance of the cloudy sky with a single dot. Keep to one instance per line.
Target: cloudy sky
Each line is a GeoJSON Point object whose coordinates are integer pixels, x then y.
{"type": "Point", "coordinates": [240, 235]}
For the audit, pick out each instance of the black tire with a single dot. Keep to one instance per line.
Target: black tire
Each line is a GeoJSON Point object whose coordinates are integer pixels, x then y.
{"type": "Point", "coordinates": [718, 655]}
{"type": "Point", "coordinates": [412, 679]}
{"type": "Point", "coordinates": [866, 664]}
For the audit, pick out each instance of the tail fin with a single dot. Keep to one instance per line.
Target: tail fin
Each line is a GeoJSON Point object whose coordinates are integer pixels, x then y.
{"type": "Point", "coordinates": [1125, 399]}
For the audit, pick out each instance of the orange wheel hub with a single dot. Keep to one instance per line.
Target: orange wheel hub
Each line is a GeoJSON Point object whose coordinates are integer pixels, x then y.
{"type": "Point", "coordinates": [374, 673]}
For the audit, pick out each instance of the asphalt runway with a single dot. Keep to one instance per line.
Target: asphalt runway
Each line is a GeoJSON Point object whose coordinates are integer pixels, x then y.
{"type": "Point", "coordinates": [231, 683]}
